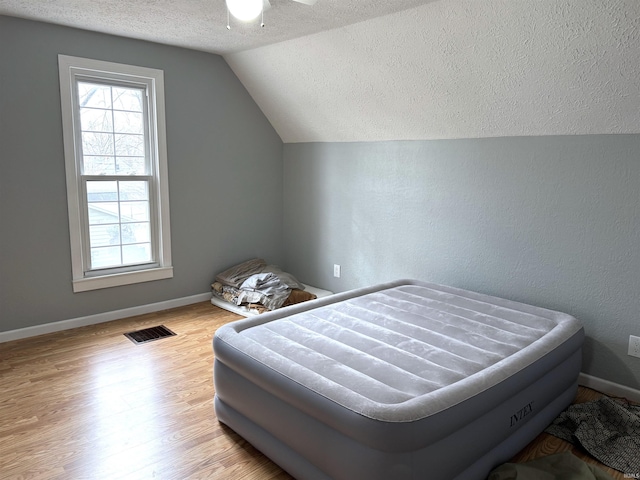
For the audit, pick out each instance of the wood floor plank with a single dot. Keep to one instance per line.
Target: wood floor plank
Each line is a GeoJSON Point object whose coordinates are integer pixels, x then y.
{"type": "Point", "coordinates": [88, 403]}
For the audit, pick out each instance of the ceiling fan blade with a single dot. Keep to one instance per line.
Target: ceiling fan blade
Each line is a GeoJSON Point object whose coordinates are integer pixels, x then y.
{"type": "Point", "coordinates": [306, 2]}
{"type": "Point", "coordinates": [265, 5]}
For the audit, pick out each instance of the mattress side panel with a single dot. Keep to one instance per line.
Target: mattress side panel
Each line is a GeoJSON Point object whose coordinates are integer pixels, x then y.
{"type": "Point", "coordinates": [344, 456]}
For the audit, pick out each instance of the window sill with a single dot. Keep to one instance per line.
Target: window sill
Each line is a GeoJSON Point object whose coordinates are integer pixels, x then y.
{"type": "Point", "coordinates": [119, 279]}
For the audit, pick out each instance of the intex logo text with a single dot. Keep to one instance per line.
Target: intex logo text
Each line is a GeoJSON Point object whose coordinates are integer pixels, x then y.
{"type": "Point", "coordinates": [520, 414]}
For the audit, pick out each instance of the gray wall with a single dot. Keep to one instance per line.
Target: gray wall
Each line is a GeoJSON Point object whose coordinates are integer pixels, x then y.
{"type": "Point", "coordinates": [551, 221]}
{"type": "Point", "coordinates": [225, 174]}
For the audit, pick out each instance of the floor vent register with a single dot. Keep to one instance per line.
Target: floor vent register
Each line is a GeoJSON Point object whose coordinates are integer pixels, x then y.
{"type": "Point", "coordinates": [149, 334]}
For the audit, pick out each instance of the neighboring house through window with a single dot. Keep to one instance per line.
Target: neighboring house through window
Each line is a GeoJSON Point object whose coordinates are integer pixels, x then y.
{"type": "Point", "coordinates": [116, 167]}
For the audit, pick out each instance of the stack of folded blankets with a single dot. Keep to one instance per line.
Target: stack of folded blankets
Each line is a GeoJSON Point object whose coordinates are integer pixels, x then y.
{"type": "Point", "coordinates": [257, 285]}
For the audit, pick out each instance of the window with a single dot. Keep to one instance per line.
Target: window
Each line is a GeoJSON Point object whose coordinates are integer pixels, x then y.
{"type": "Point", "coordinates": [116, 167]}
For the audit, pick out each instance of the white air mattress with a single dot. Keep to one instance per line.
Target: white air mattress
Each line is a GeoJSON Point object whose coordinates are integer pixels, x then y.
{"type": "Point", "coordinates": [401, 380]}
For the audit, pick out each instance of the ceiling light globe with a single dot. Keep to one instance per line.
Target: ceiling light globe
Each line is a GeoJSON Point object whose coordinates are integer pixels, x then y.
{"type": "Point", "coordinates": [245, 10]}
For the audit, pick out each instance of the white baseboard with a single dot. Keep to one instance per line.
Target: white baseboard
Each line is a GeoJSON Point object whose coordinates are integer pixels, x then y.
{"type": "Point", "coordinates": [101, 317]}
{"type": "Point", "coordinates": [610, 388]}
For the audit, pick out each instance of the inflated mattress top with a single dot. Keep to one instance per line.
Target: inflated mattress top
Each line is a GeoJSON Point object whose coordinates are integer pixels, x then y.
{"type": "Point", "coordinates": [401, 351]}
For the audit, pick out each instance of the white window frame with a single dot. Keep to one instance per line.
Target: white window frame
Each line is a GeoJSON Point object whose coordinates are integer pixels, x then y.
{"type": "Point", "coordinates": [72, 69]}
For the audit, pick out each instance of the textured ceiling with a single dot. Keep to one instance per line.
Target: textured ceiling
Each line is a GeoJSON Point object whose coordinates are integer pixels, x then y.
{"type": "Point", "coordinates": [201, 24]}
{"type": "Point", "coordinates": [456, 69]}
{"type": "Point", "coordinates": [370, 70]}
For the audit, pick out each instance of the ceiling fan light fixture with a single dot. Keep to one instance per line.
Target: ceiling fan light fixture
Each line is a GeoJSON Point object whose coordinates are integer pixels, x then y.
{"type": "Point", "coordinates": [245, 10]}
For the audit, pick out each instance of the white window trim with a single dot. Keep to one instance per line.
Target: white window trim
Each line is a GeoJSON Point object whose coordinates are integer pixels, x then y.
{"type": "Point", "coordinates": [69, 67]}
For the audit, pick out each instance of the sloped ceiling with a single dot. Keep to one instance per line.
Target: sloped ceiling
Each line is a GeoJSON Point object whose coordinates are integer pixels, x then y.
{"type": "Point", "coordinates": [456, 69]}
{"type": "Point", "coordinates": [369, 70]}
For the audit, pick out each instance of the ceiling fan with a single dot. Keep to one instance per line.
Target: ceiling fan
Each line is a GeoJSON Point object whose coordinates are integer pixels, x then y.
{"type": "Point", "coordinates": [247, 10]}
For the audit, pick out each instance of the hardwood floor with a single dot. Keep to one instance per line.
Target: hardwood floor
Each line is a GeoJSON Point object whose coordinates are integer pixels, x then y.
{"type": "Point", "coordinates": [88, 403]}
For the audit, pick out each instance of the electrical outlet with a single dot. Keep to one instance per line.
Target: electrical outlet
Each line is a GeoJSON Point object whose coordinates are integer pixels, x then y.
{"type": "Point", "coordinates": [634, 346]}
{"type": "Point", "coordinates": [336, 270]}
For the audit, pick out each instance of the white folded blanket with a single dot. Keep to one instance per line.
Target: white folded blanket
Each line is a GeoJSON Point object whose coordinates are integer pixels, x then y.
{"type": "Point", "coordinates": [265, 288]}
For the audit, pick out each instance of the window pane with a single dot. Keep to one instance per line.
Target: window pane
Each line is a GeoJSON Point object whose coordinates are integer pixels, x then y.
{"type": "Point", "coordinates": [105, 257]}
{"type": "Point", "coordinates": [135, 233]}
{"type": "Point", "coordinates": [119, 215]}
{"type": "Point", "coordinates": [128, 122]}
{"type": "Point", "coordinates": [103, 235]}
{"type": "Point", "coordinates": [134, 211]}
{"type": "Point", "coordinates": [94, 95]}
{"type": "Point", "coordinates": [102, 191]}
{"type": "Point", "coordinates": [99, 165]}
{"type": "Point", "coordinates": [103, 212]}
{"type": "Point", "coordinates": [97, 143]}
{"type": "Point", "coordinates": [96, 120]}
{"type": "Point", "coordinates": [131, 166]}
{"type": "Point", "coordinates": [127, 99]}
{"type": "Point", "coordinates": [129, 145]}
{"type": "Point", "coordinates": [133, 190]}
{"type": "Point", "coordinates": [139, 253]}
